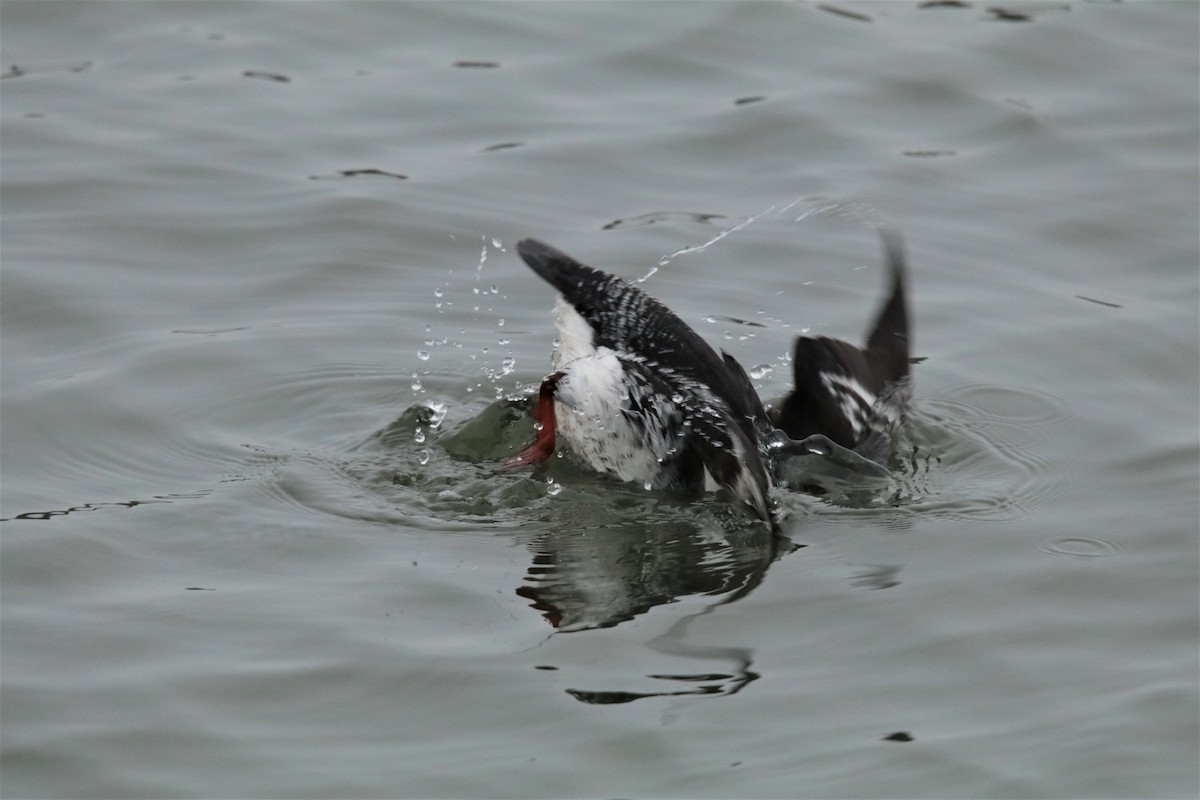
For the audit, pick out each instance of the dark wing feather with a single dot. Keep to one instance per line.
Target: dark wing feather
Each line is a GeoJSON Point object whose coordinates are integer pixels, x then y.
{"type": "Point", "coordinates": [628, 320]}
{"type": "Point", "coordinates": [888, 343]}
{"type": "Point", "coordinates": [742, 390]}
{"type": "Point", "coordinates": [836, 383]}
{"type": "Point", "coordinates": [817, 404]}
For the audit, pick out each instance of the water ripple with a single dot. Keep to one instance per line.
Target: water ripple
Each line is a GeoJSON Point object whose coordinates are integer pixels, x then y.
{"type": "Point", "coordinates": [410, 472]}
{"type": "Point", "coordinates": [974, 452]}
{"type": "Point", "coordinates": [979, 452]}
{"type": "Point", "coordinates": [1081, 547]}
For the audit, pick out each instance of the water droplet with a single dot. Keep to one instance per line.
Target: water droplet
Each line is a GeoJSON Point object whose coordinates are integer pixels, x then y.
{"type": "Point", "coordinates": [423, 355]}
{"type": "Point", "coordinates": [496, 244]}
{"type": "Point", "coordinates": [553, 488]}
{"type": "Point", "coordinates": [761, 371]}
{"type": "Point", "coordinates": [507, 365]}
{"type": "Point", "coordinates": [647, 486]}
{"type": "Point", "coordinates": [438, 409]}
{"type": "Point", "coordinates": [676, 398]}
{"type": "Point", "coordinates": [494, 290]}
{"type": "Point", "coordinates": [423, 457]}
{"type": "Point", "coordinates": [502, 341]}
{"type": "Point", "coordinates": [500, 322]}
{"type": "Point", "coordinates": [438, 292]}
{"type": "Point", "coordinates": [419, 436]}
{"type": "Point", "coordinates": [416, 385]}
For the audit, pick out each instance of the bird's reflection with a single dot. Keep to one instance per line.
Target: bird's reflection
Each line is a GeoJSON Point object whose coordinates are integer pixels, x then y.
{"type": "Point", "coordinates": [673, 643]}
{"type": "Point", "coordinates": [583, 579]}
{"type": "Point", "coordinates": [587, 579]}
{"type": "Point", "coordinates": [615, 554]}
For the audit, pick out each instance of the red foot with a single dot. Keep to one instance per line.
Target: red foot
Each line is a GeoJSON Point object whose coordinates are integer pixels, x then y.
{"type": "Point", "coordinates": [543, 439]}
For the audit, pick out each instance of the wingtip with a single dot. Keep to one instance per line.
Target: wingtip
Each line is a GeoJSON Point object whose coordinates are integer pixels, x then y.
{"type": "Point", "coordinates": [893, 251]}
{"type": "Point", "coordinates": [529, 244]}
{"type": "Point", "coordinates": [548, 262]}
{"type": "Point", "coordinates": [889, 341]}
{"type": "Point", "coordinates": [535, 249]}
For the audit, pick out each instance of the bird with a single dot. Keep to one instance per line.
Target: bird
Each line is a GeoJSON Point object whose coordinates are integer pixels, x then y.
{"type": "Point", "coordinates": [849, 398]}
{"type": "Point", "coordinates": [636, 393]}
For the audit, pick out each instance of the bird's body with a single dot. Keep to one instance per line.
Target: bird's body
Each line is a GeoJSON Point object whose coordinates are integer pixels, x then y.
{"type": "Point", "coordinates": [636, 393]}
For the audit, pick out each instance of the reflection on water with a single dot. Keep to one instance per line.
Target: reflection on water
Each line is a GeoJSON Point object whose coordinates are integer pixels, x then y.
{"type": "Point", "coordinates": [614, 551]}
{"type": "Point", "coordinates": [673, 643]}
{"type": "Point", "coordinates": [62, 512]}
{"type": "Point", "coordinates": [597, 578]}
{"type": "Point", "coordinates": [603, 553]}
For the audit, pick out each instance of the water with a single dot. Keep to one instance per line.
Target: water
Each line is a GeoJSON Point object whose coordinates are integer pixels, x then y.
{"type": "Point", "coordinates": [254, 254]}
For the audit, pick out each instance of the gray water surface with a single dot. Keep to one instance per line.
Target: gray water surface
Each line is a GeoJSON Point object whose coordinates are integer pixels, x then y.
{"type": "Point", "coordinates": [266, 339]}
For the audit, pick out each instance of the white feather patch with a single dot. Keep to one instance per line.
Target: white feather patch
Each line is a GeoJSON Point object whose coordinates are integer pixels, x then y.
{"type": "Point", "coordinates": [592, 401]}
{"type": "Point", "coordinates": [853, 398]}
{"type": "Point", "coordinates": [593, 418]}
{"type": "Point", "coordinates": [575, 336]}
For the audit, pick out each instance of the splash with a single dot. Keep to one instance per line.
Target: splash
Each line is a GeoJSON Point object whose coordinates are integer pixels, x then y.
{"type": "Point", "coordinates": [862, 213]}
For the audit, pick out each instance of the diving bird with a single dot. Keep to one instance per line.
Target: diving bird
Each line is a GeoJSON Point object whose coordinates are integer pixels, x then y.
{"type": "Point", "coordinates": [848, 395]}
{"type": "Point", "coordinates": [636, 393]}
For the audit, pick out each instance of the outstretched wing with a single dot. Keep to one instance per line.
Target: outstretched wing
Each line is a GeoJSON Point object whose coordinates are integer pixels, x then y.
{"type": "Point", "coordinates": [838, 385]}
{"type": "Point", "coordinates": [626, 319]}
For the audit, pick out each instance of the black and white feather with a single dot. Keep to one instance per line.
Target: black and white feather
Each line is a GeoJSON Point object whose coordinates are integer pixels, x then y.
{"type": "Point", "coordinates": [641, 396]}
{"type": "Point", "coordinates": [636, 393]}
{"type": "Point", "coordinates": [854, 395]}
